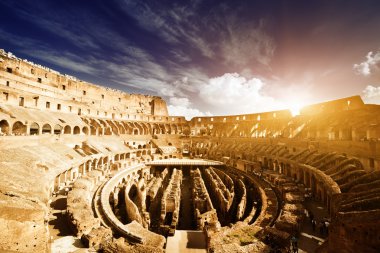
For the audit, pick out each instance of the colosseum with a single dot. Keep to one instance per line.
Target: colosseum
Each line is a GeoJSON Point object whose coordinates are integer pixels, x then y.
{"type": "Point", "coordinates": [87, 168]}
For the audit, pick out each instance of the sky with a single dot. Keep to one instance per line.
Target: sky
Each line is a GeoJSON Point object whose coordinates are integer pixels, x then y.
{"type": "Point", "coordinates": [210, 57]}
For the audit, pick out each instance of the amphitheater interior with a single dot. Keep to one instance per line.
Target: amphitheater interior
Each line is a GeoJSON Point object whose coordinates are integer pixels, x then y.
{"type": "Point", "coordinates": [113, 172]}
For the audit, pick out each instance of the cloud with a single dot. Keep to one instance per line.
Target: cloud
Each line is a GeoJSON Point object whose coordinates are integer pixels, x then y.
{"type": "Point", "coordinates": [182, 107]}
{"type": "Point", "coordinates": [234, 94]}
{"type": "Point", "coordinates": [63, 59]}
{"type": "Point", "coordinates": [371, 64]}
{"type": "Point", "coordinates": [246, 43]}
{"type": "Point", "coordinates": [371, 94]}
{"type": "Point", "coordinates": [174, 24]}
{"type": "Point", "coordinates": [175, 101]}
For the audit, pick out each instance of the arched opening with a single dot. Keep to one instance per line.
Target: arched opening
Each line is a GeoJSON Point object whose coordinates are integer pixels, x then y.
{"type": "Point", "coordinates": [93, 130]}
{"type": "Point", "coordinates": [46, 129]}
{"type": "Point", "coordinates": [174, 129]}
{"type": "Point", "coordinates": [4, 127]}
{"type": "Point", "coordinates": [120, 211]}
{"type": "Point", "coordinates": [135, 131]}
{"type": "Point", "coordinates": [132, 194]}
{"type": "Point", "coordinates": [85, 130]}
{"type": "Point", "coordinates": [18, 128]}
{"type": "Point", "coordinates": [95, 164]}
{"type": "Point", "coordinates": [57, 129]}
{"type": "Point", "coordinates": [147, 202]}
{"type": "Point", "coordinates": [67, 130]}
{"type": "Point", "coordinates": [108, 131]}
{"type": "Point", "coordinates": [76, 130]}
{"type": "Point", "coordinates": [34, 129]}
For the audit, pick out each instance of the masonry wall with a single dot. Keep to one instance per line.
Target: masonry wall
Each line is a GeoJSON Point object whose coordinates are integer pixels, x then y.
{"type": "Point", "coordinates": [37, 85]}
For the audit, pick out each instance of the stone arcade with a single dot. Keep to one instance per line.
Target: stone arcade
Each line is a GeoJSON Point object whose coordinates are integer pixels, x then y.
{"type": "Point", "coordinates": [116, 171]}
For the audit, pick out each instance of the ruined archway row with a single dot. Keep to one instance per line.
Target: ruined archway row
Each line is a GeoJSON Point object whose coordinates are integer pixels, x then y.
{"type": "Point", "coordinates": [131, 174]}
{"type": "Point", "coordinates": [19, 127]}
{"type": "Point", "coordinates": [89, 126]}
{"type": "Point", "coordinates": [340, 182]}
{"type": "Point", "coordinates": [103, 163]}
{"type": "Point", "coordinates": [338, 125]}
{"type": "Point", "coordinates": [326, 174]}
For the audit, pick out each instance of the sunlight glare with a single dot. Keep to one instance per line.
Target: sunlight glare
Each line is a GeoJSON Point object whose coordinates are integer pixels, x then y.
{"type": "Point", "coordinates": [295, 108]}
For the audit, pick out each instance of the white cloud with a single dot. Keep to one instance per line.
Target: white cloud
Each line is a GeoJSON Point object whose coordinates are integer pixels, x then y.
{"type": "Point", "coordinates": [371, 64]}
{"type": "Point", "coordinates": [172, 25]}
{"type": "Point", "coordinates": [371, 94]}
{"type": "Point", "coordinates": [234, 94]}
{"type": "Point", "coordinates": [182, 107]}
{"type": "Point", "coordinates": [175, 101]}
{"type": "Point", "coordinates": [65, 60]}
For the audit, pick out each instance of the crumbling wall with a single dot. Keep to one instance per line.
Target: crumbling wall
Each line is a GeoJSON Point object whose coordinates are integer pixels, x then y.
{"type": "Point", "coordinates": [79, 210]}
{"type": "Point", "coordinates": [243, 200]}
{"type": "Point", "coordinates": [203, 208]}
{"type": "Point", "coordinates": [219, 191]}
{"type": "Point", "coordinates": [56, 88]}
{"type": "Point", "coordinates": [131, 208]}
{"type": "Point", "coordinates": [171, 198]}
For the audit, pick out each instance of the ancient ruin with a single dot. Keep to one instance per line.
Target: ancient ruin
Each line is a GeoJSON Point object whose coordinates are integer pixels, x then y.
{"type": "Point", "coordinates": [113, 171]}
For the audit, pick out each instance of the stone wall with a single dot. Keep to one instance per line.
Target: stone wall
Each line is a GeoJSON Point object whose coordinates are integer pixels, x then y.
{"type": "Point", "coordinates": [205, 213]}
{"type": "Point", "coordinates": [171, 199]}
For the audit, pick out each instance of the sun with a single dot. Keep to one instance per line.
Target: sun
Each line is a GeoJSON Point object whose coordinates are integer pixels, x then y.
{"type": "Point", "coordinates": [295, 108]}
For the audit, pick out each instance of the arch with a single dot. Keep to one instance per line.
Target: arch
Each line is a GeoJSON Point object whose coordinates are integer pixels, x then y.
{"type": "Point", "coordinates": [133, 193]}
{"type": "Point", "coordinates": [46, 129]}
{"type": "Point", "coordinates": [113, 127]}
{"type": "Point", "coordinates": [95, 164]}
{"type": "Point", "coordinates": [102, 123]}
{"type": "Point", "coordinates": [167, 129]}
{"type": "Point", "coordinates": [76, 130]}
{"type": "Point", "coordinates": [34, 129]}
{"type": "Point", "coordinates": [135, 131]}
{"type": "Point", "coordinates": [146, 128]}
{"type": "Point", "coordinates": [18, 128]}
{"type": "Point", "coordinates": [156, 129]}
{"type": "Point", "coordinates": [121, 127]}
{"type": "Point", "coordinates": [128, 128]}
{"type": "Point", "coordinates": [4, 127]}
{"type": "Point", "coordinates": [89, 165]}
{"type": "Point", "coordinates": [67, 130]}
{"type": "Point", "coordinates": [57, 129]}
{"type": "Point", "coordinates": [174, 128]}
{"type": "Point", "coordinates": [107, 131]}
{"type": "Point", "coordinates": [93, 130]}
{"type": "Point", "coordinates": [85, 130]}
{"type": "Point", "coordinates": [161, 129]}
{"type": "Point", "coordinates": [139, 127]}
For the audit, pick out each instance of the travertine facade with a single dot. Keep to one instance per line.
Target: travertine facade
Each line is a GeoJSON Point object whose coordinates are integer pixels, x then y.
{"type": "Point", "coordinates": [62, 138]}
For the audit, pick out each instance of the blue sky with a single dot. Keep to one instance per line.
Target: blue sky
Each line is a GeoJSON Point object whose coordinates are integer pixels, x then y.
{"type": "Point", "coordinates": [206, 57]}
